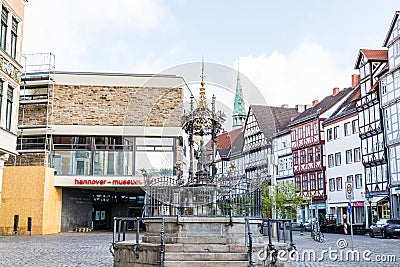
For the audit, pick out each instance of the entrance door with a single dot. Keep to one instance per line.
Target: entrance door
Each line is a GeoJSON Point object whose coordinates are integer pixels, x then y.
{"type": "Point", "coordinates": [101, 217]}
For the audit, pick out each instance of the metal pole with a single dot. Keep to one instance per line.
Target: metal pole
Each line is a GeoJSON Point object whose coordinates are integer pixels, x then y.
{"type": "Point", "coordinates": [351, 226]}
{"type": "Point", "coordinates": [115, 229]}
{"type": "Point", "coordinates": [370, 212]}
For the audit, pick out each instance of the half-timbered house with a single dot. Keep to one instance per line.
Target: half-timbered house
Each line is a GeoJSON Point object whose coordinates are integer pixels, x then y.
{"type": "Point", "coordinates": [390, 92]}
{"type": "Point", "coordinates": [371, 64]}
{"type": "Point", "coordinates": [262, 123]}
{"type": "Point", "coordinates": [307, 141]}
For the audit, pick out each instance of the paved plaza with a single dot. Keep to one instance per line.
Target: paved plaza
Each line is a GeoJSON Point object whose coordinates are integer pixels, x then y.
{"type": "Point", "coordinates": [383, 250]}
{"type": "Point", "coordinates": [61, 250]}
{"type": "Point", "coordinates": [92, 249]}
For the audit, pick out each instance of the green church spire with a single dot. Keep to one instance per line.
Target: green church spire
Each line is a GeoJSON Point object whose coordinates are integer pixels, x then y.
{"type": "Point", "coordinates": [239, 109]}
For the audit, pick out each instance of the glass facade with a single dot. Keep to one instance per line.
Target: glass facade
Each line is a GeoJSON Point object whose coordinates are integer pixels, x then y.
{"type": "Point", "coordinates": [113, 155]}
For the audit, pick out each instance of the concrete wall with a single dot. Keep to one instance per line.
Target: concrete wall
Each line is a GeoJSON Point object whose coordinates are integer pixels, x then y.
{"type": "Point", "coordinates": [30, 192]}
{"type": "Point", "coordinates": [76, 209]}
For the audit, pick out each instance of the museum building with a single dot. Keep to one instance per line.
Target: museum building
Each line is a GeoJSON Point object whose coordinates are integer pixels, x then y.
{"type": "Point", "coordinates": [84, 140]}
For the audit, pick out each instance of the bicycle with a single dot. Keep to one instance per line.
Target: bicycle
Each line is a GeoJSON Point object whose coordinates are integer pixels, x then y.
{"type": "Point", "coordinates": [316, 233]}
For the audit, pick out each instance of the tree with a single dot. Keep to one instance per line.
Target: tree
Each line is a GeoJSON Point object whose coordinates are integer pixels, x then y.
{"type": "Point", "coordinates": [283, 199]}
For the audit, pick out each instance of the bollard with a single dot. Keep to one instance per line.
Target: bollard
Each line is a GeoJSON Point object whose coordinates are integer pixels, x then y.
{"type": "Point", "coordinates": [16, 221]}
{"type": "Point", "coordinates": [301, 228]}
{"type": "Point", "coordinates": [30, 225]}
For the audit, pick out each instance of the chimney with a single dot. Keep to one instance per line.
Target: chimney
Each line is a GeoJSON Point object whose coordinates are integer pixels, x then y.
{"type": "Point", "coordinates": [335, 91]}
{"type": "Point", "coordinates": [314, 103]}
{"type": "Point", "coordinates": [355, 80]}
{"type": "Point", "coordinates": [301, 108]}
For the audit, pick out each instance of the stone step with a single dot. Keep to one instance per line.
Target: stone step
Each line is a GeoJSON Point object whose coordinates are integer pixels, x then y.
{"type": "Point", "coordinates": [189, 240]}
{"type": "Point", "coordinates": [206, 263]}
{"type": "Point", "coordinates": [205, 256]}
{"type": "Point", "coordinates": [205, 248]}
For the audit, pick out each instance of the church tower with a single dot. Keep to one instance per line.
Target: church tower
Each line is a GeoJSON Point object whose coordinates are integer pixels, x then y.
{"type": "Point", "coordinates": [239, 110]}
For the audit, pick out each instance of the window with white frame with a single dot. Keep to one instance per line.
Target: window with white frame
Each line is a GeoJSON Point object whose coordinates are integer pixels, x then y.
{"type": "Point", "coordinates": [392, 122]}
{"type": "Point", "coordinates": [349, 156]}
{"type": "Point", "coordinates": [320, 180]}
{"type": "Point", "coordinates": [302, 156]}
{"type": "Point", "coordinates": [308, 130]}
{"type": "Point", "coordinates": [310, 157]}
{"type": "Point", "coordinates": [357, 154]}
{"type": "Point", "coordinates": [329, 135]}
{"type": "Point", "coordinates": [338, 159]}
{"type": "Point", "coordinates": [317, 153]}
{"type": "Point", "coordinates": [339, 185]}
{"type": "Point", "coordinates": [293, 135]}
{"type": "Point", "coordinates": [336, 132]}
{"type": "Point", "coordinates": [305, 183]}
{"type": "Point", "coordinates": [332, 184]}
{"type": "Point", "coordinates": [312, 181]}
{"type": "Point", "coordinates": [300, 133]}
{"type": "Point", "coordinates": [349, 178]}
{"type": "Point", "coordinates": [347, 129]}
{"type": "Point", "coordinates": [295, 157]}
{"type": "Point", "coordinates": [297, 183]}
{"type": "Point", "coordinates": [330, 161]}
{"type": "Point", "coordinates": [359, 181]}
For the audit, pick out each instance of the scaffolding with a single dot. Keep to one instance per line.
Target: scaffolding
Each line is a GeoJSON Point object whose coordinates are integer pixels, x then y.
{"type": "Point", "coordinates": [36, 107]}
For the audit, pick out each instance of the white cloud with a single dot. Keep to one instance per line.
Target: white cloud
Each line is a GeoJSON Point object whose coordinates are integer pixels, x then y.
{"type": "Point", "coordinates": [75, 28]}
{"type": "Point", "coordinates": [307, 73]}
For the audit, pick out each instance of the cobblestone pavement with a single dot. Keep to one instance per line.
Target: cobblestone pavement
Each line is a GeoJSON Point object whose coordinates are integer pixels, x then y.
{"type": "Point", "coordinates": [384, 252]}
{"type": "Point", "coordinates": [61, 250]}
{"type": "Point", "coordinates": [92, 249]}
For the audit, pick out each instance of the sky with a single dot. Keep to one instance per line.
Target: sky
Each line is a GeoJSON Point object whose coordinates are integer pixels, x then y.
{"type": "Point", "coordinates": [293, 51]}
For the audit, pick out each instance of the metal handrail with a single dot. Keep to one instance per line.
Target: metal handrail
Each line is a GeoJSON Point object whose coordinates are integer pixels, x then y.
{"type": "Point", "coordinates": [249, 243]}
{"type": "Point", "coordinates": [121, 227]}
{"type": "Point", "coordinates": [281, 224]}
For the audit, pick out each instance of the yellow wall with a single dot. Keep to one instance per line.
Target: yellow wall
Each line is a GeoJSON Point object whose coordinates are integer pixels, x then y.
{"type": "Point", "coordinates": [29, 192]}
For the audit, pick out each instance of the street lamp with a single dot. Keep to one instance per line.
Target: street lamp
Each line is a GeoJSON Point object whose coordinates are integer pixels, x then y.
{"type": "Point", "coordinates": [369, 199]}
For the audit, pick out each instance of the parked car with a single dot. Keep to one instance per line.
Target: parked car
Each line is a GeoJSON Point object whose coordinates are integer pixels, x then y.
{"type": "Point", "coordinates": [385, 228]}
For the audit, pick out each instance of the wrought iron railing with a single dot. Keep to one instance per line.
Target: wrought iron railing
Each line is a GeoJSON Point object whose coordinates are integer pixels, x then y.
{"type": "Point", "coordinates": [164, 196]}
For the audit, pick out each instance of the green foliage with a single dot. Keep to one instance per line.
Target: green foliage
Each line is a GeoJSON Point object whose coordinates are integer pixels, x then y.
{"type": "Point", "coordinates": [240, 205]}
{"type": "Point", "coordinates": [283, 198]}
